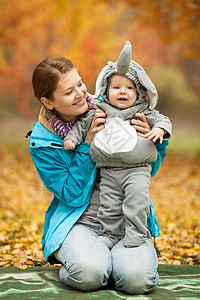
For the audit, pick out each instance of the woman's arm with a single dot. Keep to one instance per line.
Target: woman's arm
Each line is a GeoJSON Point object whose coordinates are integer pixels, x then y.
{"type": "Point", "coordinates": [161, 148]}
{"type": "Point", "coordinates": [65, 177]}
{"type": "Point", "coordinates": [142, 126]}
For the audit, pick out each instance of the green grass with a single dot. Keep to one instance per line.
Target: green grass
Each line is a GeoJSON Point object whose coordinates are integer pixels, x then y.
{"type": "Point", "coordinates": [185, 144]}
{"type": "Point", "coordinates": [184, 138]}
{"type": "Point", "coordinates": [175, 144]}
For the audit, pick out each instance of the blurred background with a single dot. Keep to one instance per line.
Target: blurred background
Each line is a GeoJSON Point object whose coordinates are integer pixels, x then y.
{"type": "Point", "coordinates": [165, 35]}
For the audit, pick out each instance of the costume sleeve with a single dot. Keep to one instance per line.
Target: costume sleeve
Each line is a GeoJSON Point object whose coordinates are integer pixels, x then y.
{"type": "Point", "coordinates": [80, 129]}
{"type": "Point", "coordinates": [67, 178]}
{"type": "Point", "coordinates": [156, 119]}
{"type": "Point", "coordinates": [161, 148]}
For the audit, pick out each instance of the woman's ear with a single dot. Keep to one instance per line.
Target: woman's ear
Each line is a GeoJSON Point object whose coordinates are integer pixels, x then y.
{"type": "Point", "coordinates": [47, 103]}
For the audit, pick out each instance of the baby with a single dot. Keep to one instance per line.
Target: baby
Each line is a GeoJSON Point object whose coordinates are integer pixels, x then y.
{"type": "Point", "coordinates": [122, 155]}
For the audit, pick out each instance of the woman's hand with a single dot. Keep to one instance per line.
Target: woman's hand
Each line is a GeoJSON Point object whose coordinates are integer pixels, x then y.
{"type": "Point", "coordinates": [98, 123]}
{"type": "Point", "coordinates": [144, 130]}
{"type": "Point", "coordinates": [141, 124]}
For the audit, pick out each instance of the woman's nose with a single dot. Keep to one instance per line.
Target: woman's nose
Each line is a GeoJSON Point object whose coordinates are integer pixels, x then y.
{"type": "Point", "coordinates": [79, 92]}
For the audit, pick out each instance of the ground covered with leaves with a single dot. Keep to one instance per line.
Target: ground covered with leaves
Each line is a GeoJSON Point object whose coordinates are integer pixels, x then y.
{"type": "Point", "coordinates": [175, 192]}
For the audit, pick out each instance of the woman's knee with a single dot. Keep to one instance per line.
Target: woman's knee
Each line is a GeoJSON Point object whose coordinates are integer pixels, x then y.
{"type": "Point", "coordinates": [135, 269]}
{"type": "Point", "coordinates": [93, 276]}
{"type": "Point", "coordinates": [138, 282]}
{"type": "Point", "coordinates": [85, 276]}
{"type": "Point", "coordinates": [86, 261]}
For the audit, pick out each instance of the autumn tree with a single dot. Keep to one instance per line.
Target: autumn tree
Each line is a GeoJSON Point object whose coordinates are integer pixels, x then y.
{"type": "Point", "coordinates": [32, 30]}
{"type": "Point", "coordinates": [177, 23]}
{"type": "Point", "coordinates": [90, 33]}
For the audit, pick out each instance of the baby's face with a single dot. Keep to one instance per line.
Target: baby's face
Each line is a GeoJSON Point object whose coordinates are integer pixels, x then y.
{"type": "Point", "coordinates": [122, 92]}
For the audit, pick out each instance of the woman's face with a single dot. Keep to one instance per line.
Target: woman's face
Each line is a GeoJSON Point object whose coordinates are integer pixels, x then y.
{"type": "Point", "coordinates": [70, 96]}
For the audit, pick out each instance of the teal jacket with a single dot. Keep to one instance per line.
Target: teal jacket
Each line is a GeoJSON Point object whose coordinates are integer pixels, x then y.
{"type": "Point", "coordinates": [69, 176]}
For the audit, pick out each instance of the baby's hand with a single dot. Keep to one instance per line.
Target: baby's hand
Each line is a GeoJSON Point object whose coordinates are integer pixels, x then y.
{"type": "Point", "coordinates": [68, 145]}
{"type": "Point", "coordinates": [155, 134]}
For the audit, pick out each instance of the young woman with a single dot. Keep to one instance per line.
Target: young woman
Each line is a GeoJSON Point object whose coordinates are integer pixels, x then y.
{"type": "Point", "coordinates": [71, 226]}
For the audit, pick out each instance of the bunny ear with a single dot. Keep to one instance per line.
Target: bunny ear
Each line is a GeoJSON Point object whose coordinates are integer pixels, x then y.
{"type": "Point", "coordinates": [99, 82]}
{"type": "Point", "coordinates": [124, 59]}
{"type": "Point", "coordinates": [148, 84]}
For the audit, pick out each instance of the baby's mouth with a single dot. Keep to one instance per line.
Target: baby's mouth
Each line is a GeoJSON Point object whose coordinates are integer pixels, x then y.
{"type": "Point", "coordinates": [122, 99]}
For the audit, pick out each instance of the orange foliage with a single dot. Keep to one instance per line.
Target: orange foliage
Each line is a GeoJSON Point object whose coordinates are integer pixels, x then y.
{"type": "Point", "coordinates": [89, 33]}
{"type": "Point", "coordinates": [31, 31]}
{"type": "Point", "coordinates": [24, 201]}
{"type": "Point", "coordinates": [177, 22]}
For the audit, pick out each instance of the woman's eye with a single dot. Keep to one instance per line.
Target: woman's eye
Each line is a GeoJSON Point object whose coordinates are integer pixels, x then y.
{"type": "Point", "coordinates": [68, 93]}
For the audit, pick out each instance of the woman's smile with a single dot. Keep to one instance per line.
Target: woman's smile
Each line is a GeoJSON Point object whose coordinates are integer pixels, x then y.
{"type": "Point", "coordinates": [80, 102]}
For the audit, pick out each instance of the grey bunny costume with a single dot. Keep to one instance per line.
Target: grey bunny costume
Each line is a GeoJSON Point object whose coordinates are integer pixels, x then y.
{"type": "Point", "coordinates": [123, 155]}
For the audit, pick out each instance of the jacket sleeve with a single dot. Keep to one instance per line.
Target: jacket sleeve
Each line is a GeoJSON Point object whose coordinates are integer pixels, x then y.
{"type": "Point", "coordinates": [67, 179]}
{"type": "Point", "coordinates": [161, 148]}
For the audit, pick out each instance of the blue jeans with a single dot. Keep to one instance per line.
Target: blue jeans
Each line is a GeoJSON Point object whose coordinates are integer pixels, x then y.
{"type": "Point", "coordinates": [88, 263]}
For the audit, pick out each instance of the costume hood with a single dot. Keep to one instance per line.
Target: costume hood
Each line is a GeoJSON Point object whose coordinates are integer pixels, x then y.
{"type": "Point", "coordinates": [130, 69]}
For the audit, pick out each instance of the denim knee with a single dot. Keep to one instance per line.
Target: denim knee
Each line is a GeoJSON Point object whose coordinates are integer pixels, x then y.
{"type": "Point", "coordinates": [135, 269]}
{"type": "Point", "coordinates": [85, 276]}
{"type": "Point", "coordinates": [137, 282]}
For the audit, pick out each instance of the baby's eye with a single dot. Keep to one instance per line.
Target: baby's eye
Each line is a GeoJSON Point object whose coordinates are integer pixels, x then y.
{"type": "Point", "coordinates": [80, 83]}
{"type": "Point", "coordinates": [130, 87]}
{"type": "Point", "coordinates": [116, 87]}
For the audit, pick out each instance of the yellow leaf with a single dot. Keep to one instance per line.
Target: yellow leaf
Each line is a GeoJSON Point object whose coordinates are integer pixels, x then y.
{"type": "Point", "coordinates": [23, 267]}
{"type": "Point", "coordinates": [7, 257]}
{"type": "Point", "coordinates": [186, 245]}
{"type": "Point", "coordinates": [5, 248]}
{"type": "Point", "coordinates": [7, 265]}
{"type": "Point", "coordinates": [169, 255]}
{"type": "Point", "coordinates": [18, 245]}
{"type": "Point", "coordinates": [20, 266]}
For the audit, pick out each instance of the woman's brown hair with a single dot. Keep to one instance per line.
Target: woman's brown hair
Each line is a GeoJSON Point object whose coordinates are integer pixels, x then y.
{"type": "Point", "coordinates": [47, 74]}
